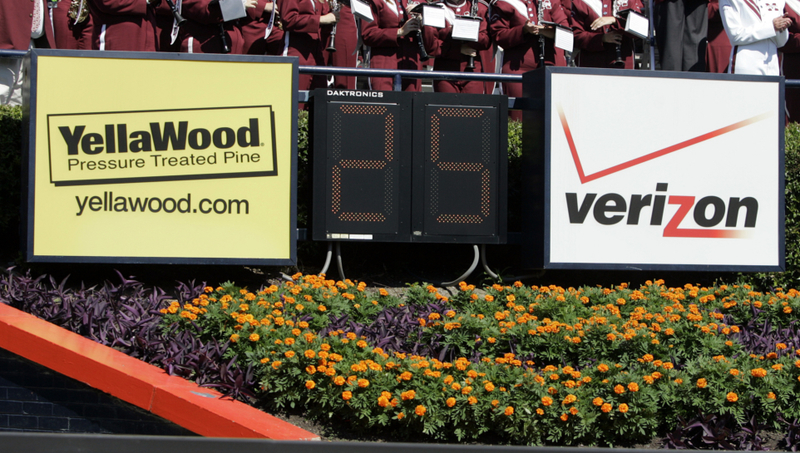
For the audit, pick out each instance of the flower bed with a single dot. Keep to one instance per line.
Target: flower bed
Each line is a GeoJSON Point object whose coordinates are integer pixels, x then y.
{"type": "Point", "coordinates": [526, 365]}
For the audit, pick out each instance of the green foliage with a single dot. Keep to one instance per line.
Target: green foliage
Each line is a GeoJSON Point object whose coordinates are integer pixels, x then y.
{"type": "Point", "coordinates": [304, 189]}
{"type": "Point", "coordinates": [791, 277]}
{"type": "Point", "coordinates": [10, 156]}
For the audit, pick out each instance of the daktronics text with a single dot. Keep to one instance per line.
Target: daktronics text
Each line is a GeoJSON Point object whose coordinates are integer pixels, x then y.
{"type": "Point", "coordinates": [109, 202]}
{"type": "Point", "coordinates": [160, 137]}
{"type": "Point", "coordinates": [708, 212]}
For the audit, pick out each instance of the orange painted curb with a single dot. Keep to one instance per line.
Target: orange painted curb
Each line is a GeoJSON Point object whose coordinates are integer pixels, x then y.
{"type": "Point", "coordinates": [198, 409]}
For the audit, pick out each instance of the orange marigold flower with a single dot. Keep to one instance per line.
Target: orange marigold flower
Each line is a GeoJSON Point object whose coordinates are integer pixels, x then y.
{"type": "Point", "coordinates": [547, 401]}
{"type": "Point", "coordinates": [420, 410]}
{"type": "Point", "coordinates": [633, 387]}
{"type": "Point", "coordinates": [647, 357]}
{"type": "Point", "coordinates": [347, 395]}
{"type": "Point", "coordinates": [310, 354]}
{"type": "Point", "coordinates": [311, 369]}
{"type": "Point", "coordinates": [450, 402]}
{"type": "Point", "coordinates": [619, 389]}
{"type": "Point", "coordinates": [606, 408]}
{"type": "Point", "coordinates": [771, 395]}
{"type": "Point", "coordinates": [289, 354]}
{"type": "Point", "coordinates": [564, 417]}
{"type": "Point", "coordinates": [472, 400]}
{"type": "Point", "coordinates": [733, 372]}
{"type": "Point", "coordinates": [702, 383]}
{"type": "Point", "coordinates": [597, 401]}
{"type": "Point", "coordinates": [310, 384]}
{"type": "Point", "coordinates": [234, 338]}
{"type": "Point", "coordinates": [732, 397]}
{"type": "Point", "coordinates": [363, 383]}
{"type": "Point", "coordinates": [602, 368]}
{"type": "Point", "coordinates": [509, 411]}
{"type": "Point", "coordinates": [623, 408]}
{"type": "Point", "coordinates": [409, 395]}
{"type": "Point", "coordinates": [758, 372]}
{"type": "Point", "coordinates": [276, 364]}
{"type": "Point", "coordinates": [489, 387]}
{"type": "Point", "coordinates": [339, 380]}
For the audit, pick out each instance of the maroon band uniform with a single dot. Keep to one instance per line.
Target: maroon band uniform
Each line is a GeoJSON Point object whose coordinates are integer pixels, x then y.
{"type": "Point", "coordinates": [254, 31]}
{"type": "Point", "coordinates": [520, 49]}
{"type": "Point", "coordinates": [201, 31]}
{"type": "Point", "coordinates": [791, 60]}
{"type": "Point", "coordinates": [346, 41]}
{"type": "Point", "coordinates": [123, 25]}
{"type": "Point", "coordinates": [302, 36]}
{"type": "Point", "coordinates": [450, 58]}
{"type": "Point", "coordinates": [69, 33]}
{"type": "Point", "coordinates": [594, 52]}
{"type": "Point", "coordinates": [388, 51]}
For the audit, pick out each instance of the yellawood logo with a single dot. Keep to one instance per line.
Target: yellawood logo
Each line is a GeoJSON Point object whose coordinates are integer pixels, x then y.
{"type": "Point", "coordinates": [161, 145]}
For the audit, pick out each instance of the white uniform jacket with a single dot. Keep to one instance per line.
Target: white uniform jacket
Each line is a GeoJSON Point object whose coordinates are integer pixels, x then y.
{"type": "Point", "coordinates": [752, 34]}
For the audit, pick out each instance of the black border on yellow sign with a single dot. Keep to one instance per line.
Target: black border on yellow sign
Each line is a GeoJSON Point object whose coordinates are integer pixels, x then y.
{"type": "Point", "coordinates": [84, 182]}
{"type": "Point", "coordinates": [29, 111]}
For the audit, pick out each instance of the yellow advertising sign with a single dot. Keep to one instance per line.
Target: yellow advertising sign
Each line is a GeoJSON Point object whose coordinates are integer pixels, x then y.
{"type": "Point", "coordinates": [162, 158]}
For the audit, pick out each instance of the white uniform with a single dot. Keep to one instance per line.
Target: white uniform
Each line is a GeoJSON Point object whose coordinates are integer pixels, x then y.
{"type": "Point", "coordinates": [752, 35]}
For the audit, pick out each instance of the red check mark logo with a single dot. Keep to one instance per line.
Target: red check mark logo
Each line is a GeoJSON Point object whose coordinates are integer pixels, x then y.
{"type": "Point", "coordinates": [647, 157]}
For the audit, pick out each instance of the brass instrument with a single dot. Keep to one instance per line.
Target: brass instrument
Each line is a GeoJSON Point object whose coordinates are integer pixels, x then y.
{"type": "Point", "coordinates": [78, 11]}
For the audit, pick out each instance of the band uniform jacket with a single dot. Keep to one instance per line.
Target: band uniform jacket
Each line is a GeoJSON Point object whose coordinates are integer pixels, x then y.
{"type": "Point", "coordinates": [16, 20]}
{"type": "Point", "coordinates": [67, 33]}
{"type": "Point", "coordinates": [718, 50]}
{"type": "Point", "coordinates": [302, 36]}
{"type": "Point", "coordinates": [346, 41]}
{"type": "Point", "coordinates": [520, 49]}
{"type": "Point", "coordinates": [201, 31]}
{"type": "Point", "coordinates": [594, 52]}
{"type": "Point", "coordinates": [123, 25]}
{"type": "Point", "coordinates": [449, 56]}
{"type": "Point", "coordinates": [387, 51]}
{"type": "Point", "coordinates": [791, 60]}
{"type": "Point", "coordinates": [254, 32]}
{"type": "Point", "coordinates": [755, 42]}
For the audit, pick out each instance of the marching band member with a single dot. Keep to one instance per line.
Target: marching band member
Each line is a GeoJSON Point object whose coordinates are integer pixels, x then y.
{"type": "Point", "coordinates": [791, 60]}
{"type": "Point", "coordinates": [254, 30]}
{"type": "Point", "coordinates": [205, 31]}
{"type": "Point", "coordinates": [302, 21]}
{"type": "Point", "coordinates": [124, 25]}
{"type": "Point", "coordinates": [756, 29]}
{"type": "Point", "coordinates": [341, 49]}
{"type": "Point", "coordinates": [515, 26]}
{"type": "Point", "coordinates": [394, 42]}
{"type": "Point", "coordinates": [72, 24]}
{"type": "Point", "coordinates": [456, 55]}
{"type": "Point", "coordinates": [718, 50]}
{"type": "Point", "coordinates": [599, 34]}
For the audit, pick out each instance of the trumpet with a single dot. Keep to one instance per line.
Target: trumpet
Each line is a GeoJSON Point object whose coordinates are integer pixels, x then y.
{"type": "Point", "coordinates": [335, 7]}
